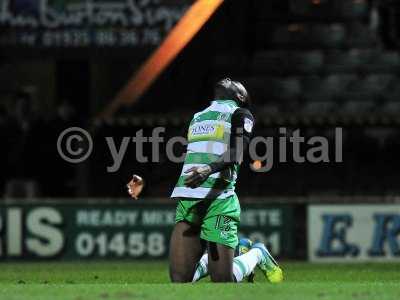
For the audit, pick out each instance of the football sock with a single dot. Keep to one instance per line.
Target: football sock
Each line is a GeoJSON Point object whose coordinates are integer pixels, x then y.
{"type": "Point", "coordinates": [244, 264]}
{"type": "Point", "coordinates": [201, 268]}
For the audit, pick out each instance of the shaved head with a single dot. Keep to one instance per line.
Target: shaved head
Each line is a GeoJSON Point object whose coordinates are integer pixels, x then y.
{"type": "Point", "coordinates": [227, 89]}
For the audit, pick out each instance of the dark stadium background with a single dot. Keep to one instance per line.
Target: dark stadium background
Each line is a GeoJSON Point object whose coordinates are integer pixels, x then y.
{"type": "Point", "coordinates": [308, 64]}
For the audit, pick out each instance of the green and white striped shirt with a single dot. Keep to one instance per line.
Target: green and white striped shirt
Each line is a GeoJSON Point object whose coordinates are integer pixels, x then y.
{"type": "Point", "coordinates": [208, 139]}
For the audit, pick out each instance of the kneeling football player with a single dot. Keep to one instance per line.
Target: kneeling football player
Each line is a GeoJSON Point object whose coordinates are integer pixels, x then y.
{"type": "Point", "coordinates": [208, 210]}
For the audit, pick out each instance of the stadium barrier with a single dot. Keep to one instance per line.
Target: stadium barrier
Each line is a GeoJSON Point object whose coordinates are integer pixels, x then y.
{"type": "Point", "coordinates": [95, 229]}
{"type": "Point", "coordinates": [351, 233]}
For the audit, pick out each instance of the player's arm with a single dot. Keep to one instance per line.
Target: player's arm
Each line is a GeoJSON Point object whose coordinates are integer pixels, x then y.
{"type": "Point", "coordinates": [241, 132]}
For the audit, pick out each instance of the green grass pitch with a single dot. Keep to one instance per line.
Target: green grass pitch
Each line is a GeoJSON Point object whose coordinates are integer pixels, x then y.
{"type": "Point", "coordinates": [149, 280]}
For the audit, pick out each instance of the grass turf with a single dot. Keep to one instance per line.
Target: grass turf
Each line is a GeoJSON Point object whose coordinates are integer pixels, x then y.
{"type": "Point", "coordinates": [149, 280]}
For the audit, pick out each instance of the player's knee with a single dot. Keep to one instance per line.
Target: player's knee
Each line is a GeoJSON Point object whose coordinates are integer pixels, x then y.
{"type": "Point", "coordinates": [180, 277]}
{"type": "Point", "coordinates": [222, 277]}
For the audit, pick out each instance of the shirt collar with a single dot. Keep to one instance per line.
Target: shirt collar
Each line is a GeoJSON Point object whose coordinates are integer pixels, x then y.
{"type": "Point", "coordinates": [225, 102]}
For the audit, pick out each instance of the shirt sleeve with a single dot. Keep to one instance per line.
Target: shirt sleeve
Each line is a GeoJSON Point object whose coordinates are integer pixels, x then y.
{"type": "Point", "coordinates": [241, 132]}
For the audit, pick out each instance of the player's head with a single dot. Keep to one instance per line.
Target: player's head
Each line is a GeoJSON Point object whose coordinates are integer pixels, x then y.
{"type": "Point", "coordinates": [227, 89]}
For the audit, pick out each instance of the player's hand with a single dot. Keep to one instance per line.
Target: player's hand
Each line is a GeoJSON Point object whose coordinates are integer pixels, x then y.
{"type": "Point", "coordinates": [197, 175]}
{"type": "Point", "coordinates": [135, 186]}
